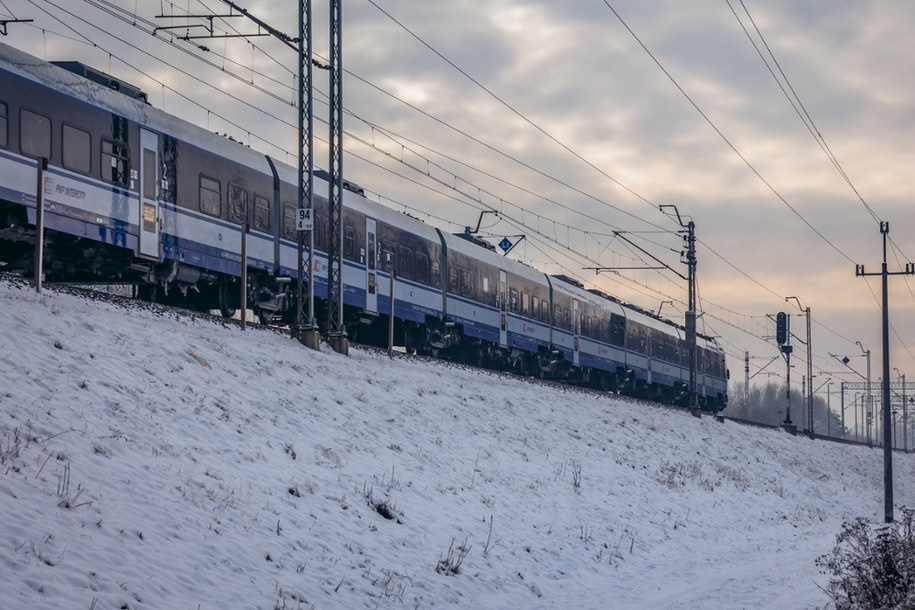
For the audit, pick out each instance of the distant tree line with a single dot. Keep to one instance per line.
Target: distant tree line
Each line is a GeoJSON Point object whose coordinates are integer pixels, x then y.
{"type": "Point", "coordinates": [768, 404]}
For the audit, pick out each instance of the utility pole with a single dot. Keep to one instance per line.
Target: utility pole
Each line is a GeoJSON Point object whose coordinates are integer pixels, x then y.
{"type": "Point", "coordinates": [305, 331]}
{"type": "Point", "coordinates": [691, 319]}
{"type": "Point", "coordinates": [806, 311]}
{"type": "Point", "coordinates": [690, 311]}
{"type": "Point", "coordinates": [746, 374]}
{"type": "Point", "coordinates": [905, 415]}
{"type": "Point", "coordinates": [868, 406]}
{"type": "Point", "coordinates": [842, 405]}
{"type": "Point", "coordinates": [905, 419]}
{"type": "Point", "coordinates": [783, 338]}
{"type": "Point", "coordinates": [887, 415]}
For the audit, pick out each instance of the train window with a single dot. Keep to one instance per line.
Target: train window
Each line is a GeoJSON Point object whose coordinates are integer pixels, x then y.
{"type": "Point", "coordinates": [289, 221]}
{"type": "Point", "coordinates": [115, 162]}
{"type": "Point", "coordinates": [638, 338]}
{"type": "Point", "coordinates": [513, 299]}
{"type": "Point", "coordinates": [535, 307]}
{"type": "Point", "coordinates": [210, 196]}
{"type": "Point", "coordinates": [4, 124]}
{"type": "Point", "coordinates": [405, 262]}
{"type": "Point", "coordinates": [387, 256]}
{"type": "Point", "coordinates": [436, 272]}
{"type": "Point", "coordinates": [525, 303]}
{"type": "Point", "coordinates": [168, 176]}
{"type": "Point", "coordinates": [466, 283]}
{"type": "Point", "coordinates": [349, 242]}
{"type": "Point", "coordinates": [319, 232]}
{"type": "Point", "coordinates": [34, 134]}
{"type": "Point", "coordinates": [76, 145]}
{"type": "Point", "coordinates": [149, 173]}
{"type": "Point", "coordinates": [238, 204]}
{"type": "Point", "coordinates": [421, 268]}
{"type": "Point", "coordinates": [261, 213]}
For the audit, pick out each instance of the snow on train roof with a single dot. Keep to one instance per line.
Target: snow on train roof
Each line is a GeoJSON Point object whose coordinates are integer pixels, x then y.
{"type": "Point", "coordinates": [41, 72]}
{"type": "Point", "coordinates": [632, 314]}
{"type": "Point", "coordinates": [652, 322]}
{"type": "Point", "coordinates": [456, 243]}
{"type": "Point", "coordinates": [589, 297]}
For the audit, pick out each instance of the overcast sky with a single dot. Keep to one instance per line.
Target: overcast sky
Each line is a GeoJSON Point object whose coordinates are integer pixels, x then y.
{"type": "Point", "coordinates": [568, 103]}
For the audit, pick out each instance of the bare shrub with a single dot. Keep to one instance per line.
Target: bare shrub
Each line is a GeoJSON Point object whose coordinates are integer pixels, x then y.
{"type": "Point", "coordinates": [68, 500]}
{"type": "Point", "coordinates": [451, 564]}
{"type": "Point", "coordinates": [872, 566]}
{"type": "Point", "coordinates": [384, 507]}
{"type": "Point", "coordinates": [13, 445]}
{"type": "Point", "coordinates": [576, 476]}
{"type": "Point", "coordinates": [394, 584]}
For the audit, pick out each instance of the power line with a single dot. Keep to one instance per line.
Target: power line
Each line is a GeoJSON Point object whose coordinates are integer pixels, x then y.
{"type": "Point", "coordinates": [796, 102]}
{"type": "Point", "coordinates": [724, 137]}
{"type": "Point", "coordinates": [511, 108]}
{"type": "Point", "coordinates": [391, 135]}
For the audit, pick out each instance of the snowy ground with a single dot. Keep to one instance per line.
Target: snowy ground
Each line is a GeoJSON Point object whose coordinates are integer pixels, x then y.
{"type": "Point", "coordinates": [155, 461]}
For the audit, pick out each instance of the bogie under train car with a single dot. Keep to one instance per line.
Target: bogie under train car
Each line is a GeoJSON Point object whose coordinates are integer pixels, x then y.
{"type": "Point", "coordinates": [136, 196]}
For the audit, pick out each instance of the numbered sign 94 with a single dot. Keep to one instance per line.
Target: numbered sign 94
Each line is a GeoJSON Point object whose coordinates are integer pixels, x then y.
{"type": "Point", "coordinates": [304, 220]}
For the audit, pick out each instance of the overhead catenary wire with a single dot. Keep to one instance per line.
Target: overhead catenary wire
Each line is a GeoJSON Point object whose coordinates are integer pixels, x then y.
{"type": "Point", "coordinates": [801, 110]}
{"type": "Point", "coordinates": [794, 99]}
{"type": "Point", "coordinates": [522, 224]}
{"type": "Point", "coordinates": [726, 140]}
{"type": "Point", "coordinates": [512, 109]}
{"type": "Point", "coordinates": [476, 169]}
{"type": "Point", "coordinates": [133, 67]}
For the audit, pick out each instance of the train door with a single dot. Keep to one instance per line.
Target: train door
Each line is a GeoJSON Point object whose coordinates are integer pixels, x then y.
{"type": "Point", "coordinates": [371, 261]}
{"type": "Point", "coordinates": [149, 198]}
{"type": "Point", "coordinates": [649, 343]}
{"type": "Point", "coordinates": [503, 320]}
{"type": "Point", "coordinates": [576, 330]}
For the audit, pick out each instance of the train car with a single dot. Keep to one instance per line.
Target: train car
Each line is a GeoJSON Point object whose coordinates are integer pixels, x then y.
{"type": "Point", "coordinates": [126, 199]}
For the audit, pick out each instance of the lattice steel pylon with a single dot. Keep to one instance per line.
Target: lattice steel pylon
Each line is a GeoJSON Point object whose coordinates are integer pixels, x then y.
{"type": "Point", "coordinates": [336, 332]}
{"type": "Point", "coordinates": [305, 329]}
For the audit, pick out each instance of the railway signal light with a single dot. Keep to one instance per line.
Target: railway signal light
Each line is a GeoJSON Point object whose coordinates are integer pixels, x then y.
{"type": "Point", "coordinates": [781, 328]}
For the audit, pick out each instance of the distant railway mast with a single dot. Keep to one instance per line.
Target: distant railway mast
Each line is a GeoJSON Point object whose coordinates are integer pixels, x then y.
{"type": "Point", "coordinates": [691, 348]}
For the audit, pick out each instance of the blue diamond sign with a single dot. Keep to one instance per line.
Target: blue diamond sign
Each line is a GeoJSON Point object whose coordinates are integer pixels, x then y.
{"type": "Point", "coordinates": [505, 244]}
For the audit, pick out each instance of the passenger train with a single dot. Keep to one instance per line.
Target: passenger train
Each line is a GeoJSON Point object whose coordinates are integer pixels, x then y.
{"type": "Point", "coordinates": [136, 196]}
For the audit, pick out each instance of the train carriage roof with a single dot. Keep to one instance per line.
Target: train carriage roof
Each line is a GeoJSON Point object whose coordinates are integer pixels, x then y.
{"type": "Point", "coordinates": [89, 92]}
{"type": "Point", "coordinates": [457, 243]}
{"type": "Point", "coordinates": [586, 296]}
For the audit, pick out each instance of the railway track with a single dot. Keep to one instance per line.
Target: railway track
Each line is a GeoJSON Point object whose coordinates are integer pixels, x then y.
{"type": "Point", "coordinates": [121, 296]}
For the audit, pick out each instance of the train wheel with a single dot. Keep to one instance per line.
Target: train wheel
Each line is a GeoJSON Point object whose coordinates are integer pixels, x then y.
{"type": "Point", "coordinates": [264, 317]}
{"type": "Point", "coordinates": [226, 302]}
{"type": "Point", "coordinates": [409, 339]}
